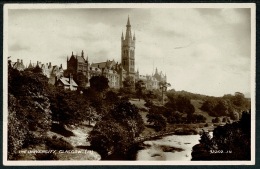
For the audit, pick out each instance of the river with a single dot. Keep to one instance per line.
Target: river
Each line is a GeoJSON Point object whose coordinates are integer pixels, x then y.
{"type": "Point", "coordinates": [168, 148]}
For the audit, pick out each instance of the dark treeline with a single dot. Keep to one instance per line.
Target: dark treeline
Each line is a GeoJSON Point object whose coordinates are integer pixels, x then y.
{"type": "Point", "coordinates": [229, 142]}
{"type": "Point", "coordinates": [36, 107]}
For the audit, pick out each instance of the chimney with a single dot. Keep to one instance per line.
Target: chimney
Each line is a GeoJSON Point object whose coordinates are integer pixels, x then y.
{"type": "Point", "coordinates": [70, 78]}
{"type": "Point", "coordinates": [21, 60]}
{"type": "Point", "coordinates": [18, 60]}
{"type": "Point", "coordinates": [60, 65]}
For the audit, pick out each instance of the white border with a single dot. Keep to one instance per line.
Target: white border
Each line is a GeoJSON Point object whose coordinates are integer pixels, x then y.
{"type": "Point", "coordinates": [129, 5]}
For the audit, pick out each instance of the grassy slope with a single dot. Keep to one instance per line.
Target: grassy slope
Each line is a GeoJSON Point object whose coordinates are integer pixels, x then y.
{"type": "Point", "coordinates": [197, 105]}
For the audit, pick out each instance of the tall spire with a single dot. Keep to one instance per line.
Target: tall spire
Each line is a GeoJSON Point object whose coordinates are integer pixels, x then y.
{"type": "Point", "coordinates": [128, 34]}
{"type": "Point", "coordinates": [128, 21]}
{"type": "Point", "coordinates": [122, 37]}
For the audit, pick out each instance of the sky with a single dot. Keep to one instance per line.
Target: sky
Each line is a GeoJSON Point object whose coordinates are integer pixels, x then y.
{"type": "Point", "coordinates": [201, 50]}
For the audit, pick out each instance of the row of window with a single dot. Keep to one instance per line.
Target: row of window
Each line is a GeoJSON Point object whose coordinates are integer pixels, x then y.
{"type": "Point", "coordinates": [126, 54]}
{"type": "Point", "coordinates": [132, 62]}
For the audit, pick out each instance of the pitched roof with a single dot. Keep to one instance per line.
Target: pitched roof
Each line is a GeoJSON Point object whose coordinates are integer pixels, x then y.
{"type": "Point", "coordinates": [80, 59]}
{"type": "Point", "coordinates": [65, 81]}
{"type": "Point", "coordinates": [101, 65]}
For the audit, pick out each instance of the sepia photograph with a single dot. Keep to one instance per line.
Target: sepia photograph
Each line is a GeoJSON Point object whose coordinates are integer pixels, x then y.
{"type": "Point", "coordinates": [129, 84]}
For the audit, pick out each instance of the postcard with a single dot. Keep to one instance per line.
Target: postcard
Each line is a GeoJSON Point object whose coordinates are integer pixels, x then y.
{"type": "Point", "coordinates": [129, 84]}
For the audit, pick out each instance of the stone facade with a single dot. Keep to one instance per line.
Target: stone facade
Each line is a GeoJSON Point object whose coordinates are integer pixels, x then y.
{"type": "Point", "coordinates": [128, 51]}
{"type": "Point", "coordinates": [79, 68]}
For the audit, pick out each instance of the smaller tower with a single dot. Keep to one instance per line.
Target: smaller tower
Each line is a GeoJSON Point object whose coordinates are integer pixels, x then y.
{"type": "Point", "coordinates": [82, 54]}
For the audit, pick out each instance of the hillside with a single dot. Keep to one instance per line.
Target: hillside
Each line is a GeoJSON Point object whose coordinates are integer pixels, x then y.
{"type": "Point", "coordinates": [195, 102]}
{"type": "Point", "coordinates": [197, 105]}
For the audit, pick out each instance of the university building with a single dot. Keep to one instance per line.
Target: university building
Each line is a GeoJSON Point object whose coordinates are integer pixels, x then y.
{"type": "Point", "coordinates": [116, 72]}
{"type": "Point", "coordinates": [79, 70]}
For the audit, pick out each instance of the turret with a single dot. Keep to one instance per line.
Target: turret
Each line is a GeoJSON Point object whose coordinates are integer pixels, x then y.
{"type": "Point", "coordinates": [82, 54]}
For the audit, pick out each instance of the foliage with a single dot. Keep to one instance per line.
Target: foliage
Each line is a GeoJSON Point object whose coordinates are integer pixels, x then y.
{"type": "Point", "coordinates": [155, 117]}
{"type": "Point", "coordinates": [232, 138]}
{"type": "Point", "coordinates": [157, 121]}
{"type": "Point", "coordinates": [109, 136]}
{"type": "Point", "coordinates": [128, 87]}
{"type": "Point", "coordinates": [216, 120]}
{"type": "Point", "coordinates": [148, 103]}
{"type": "Point", "coordinates": [117, 130]}
{"type": "Point", "coordinates": [28, 107]}
{"type": "Point", "coordinates": [228, 105]}
{"type": "Point", "coordinates": [99, 83]}
{"type": "Point", "coordinates": [65, 107]}
{"type": "Point", "coordinates": [127, 115]}
{"type": "Point", "coordinates": [128, 82]}
{"type": "Point", "coordinates": [196, 118]}
{"type": "Point", "coordinates": [139, 88]}
{"type": "Point", "coordinates": [189, 95]}
{"type": "Point", "coordinates": [17, 131]}
{"type": "Point", "coordinates": [180, 103]}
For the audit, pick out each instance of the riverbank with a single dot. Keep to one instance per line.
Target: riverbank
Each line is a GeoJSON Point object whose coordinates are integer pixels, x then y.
{"type": "Point", "coordinates": [68, 143]}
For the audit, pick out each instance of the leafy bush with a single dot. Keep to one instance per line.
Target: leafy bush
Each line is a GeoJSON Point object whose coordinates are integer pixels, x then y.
{"type": "Point", "coordinates": [29, 109]}
{"type": "Point", "coordinates": [233, 138]}
{"type": "Point", "coordinates": [148, 103]}
{"type": "Point", "coordinates": [117, 130]}
{"type": "Point", "coordinates": [226, 105]}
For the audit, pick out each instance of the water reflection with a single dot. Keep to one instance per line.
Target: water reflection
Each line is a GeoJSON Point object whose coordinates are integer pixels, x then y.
{"type": "Point", "coordinates": [169, 148]}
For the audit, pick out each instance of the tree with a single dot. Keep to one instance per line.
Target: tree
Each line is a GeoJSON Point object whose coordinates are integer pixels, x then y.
{"type": "Point", "coordinates": [109, 136]}
{"type": "Point", "coordinates": [221, 109]}
{"type": "Point", "coordinates": [155, 117]}
{"type": "Point", "coordinates": [117, 130]}
{"type": "Point", "coordinates": [128, 87]}
{"type": "Point", "coordinates": [99, 83]}
{"type": "Point", "coordinates": [128, 82]}
{"type": "Point", "coordinates": [29, 109]}
{"type": "Point", "coordinates": [128, 115]}
{"type": "Point", "coordinates": [157, 121]}
{"type": "Point", "coordinates": [139, 88]}
{"type": "Point", "coordinates": [232, 138]}
{"type": "Point", "coordinates": [91, 115]}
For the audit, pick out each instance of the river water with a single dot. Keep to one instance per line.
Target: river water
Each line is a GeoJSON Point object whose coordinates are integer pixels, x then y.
{"type": "Point", "coordinates": [169, 148]}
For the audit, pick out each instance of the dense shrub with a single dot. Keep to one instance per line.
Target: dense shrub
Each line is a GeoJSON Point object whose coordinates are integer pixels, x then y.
{"type": "Point", "coordinates": [216, 120]}
{"type": "Point", "coordinates": [232, 139]}
{"type": "Point", "coordinates": [148, 103]}
{"type": "Point", "coordinates": [29, 111]}
{"type": "Point", "coordinates": [117, 130]}
{"type": "Point", "coordinates": [227, 105]}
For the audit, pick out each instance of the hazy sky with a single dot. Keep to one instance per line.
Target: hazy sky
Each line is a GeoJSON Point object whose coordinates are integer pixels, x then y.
{"type": "Point", "coordinates": [205, 51]}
